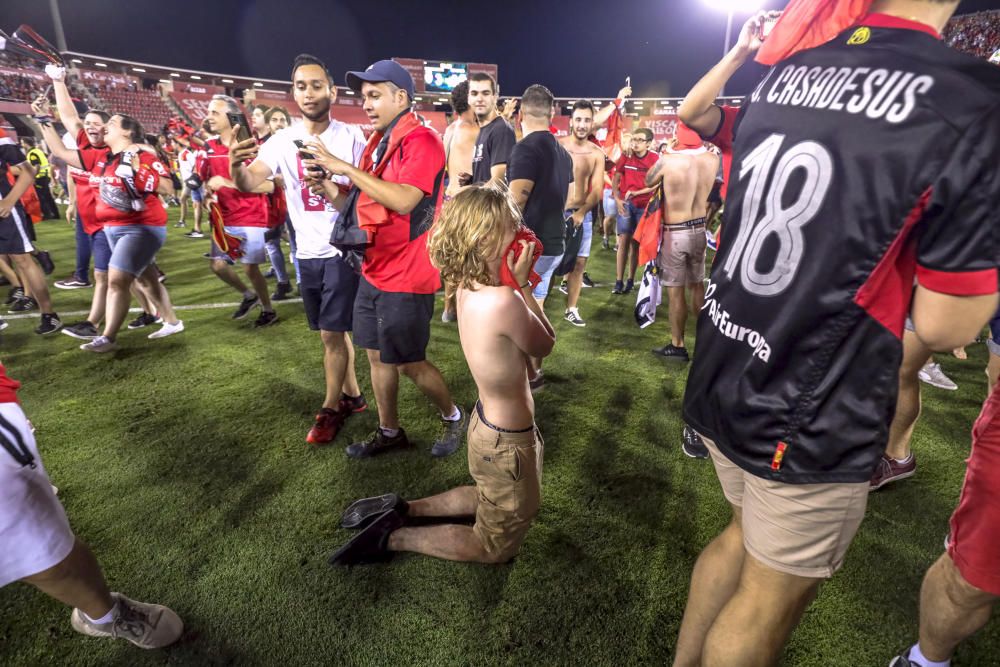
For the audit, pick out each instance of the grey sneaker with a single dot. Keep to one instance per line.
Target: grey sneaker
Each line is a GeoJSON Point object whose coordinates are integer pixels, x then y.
{"type": "Point", "coordinates": [100, 344]}
{"type": "Point", "coordinates": [573, 317]}
{"type": "Point", "coordinates": [451, 436]}
{"type": "Point", "coordinates": [145, 625]}
{"type": "Point", "coordinates": [935, 377]}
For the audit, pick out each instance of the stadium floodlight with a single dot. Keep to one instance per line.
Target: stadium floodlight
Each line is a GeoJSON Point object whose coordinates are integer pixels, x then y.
{"type": "Point", "coordinates": [731, 7]}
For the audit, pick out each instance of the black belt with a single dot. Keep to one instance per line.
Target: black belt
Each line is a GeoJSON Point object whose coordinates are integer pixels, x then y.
{"type": "Point", "coordinates": [690, 224]}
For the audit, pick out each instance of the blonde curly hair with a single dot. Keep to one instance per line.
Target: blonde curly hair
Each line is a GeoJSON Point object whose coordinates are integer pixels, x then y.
{"type": "Point", "coordinates": [470, 234]}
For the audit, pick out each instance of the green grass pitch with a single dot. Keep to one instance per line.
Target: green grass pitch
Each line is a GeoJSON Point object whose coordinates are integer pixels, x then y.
{"type": "Point", "coordinates": [183, 463]}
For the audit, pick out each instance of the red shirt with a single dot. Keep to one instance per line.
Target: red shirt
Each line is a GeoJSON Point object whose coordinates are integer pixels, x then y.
{"type": "Point", "coordinates": [102, 175]}
{"type": "Point", "coordinates": [723, 137]}
{"type": "Point", "coordinates": [86, 197]}
{"type": "Point", "coordinates": [397, 260]}
{"type": "Point", "coordinates": [8, 387]}
{"type": "Point", "coordinates": [239, 209]}
{"type": "Point", "coordinates": [633, 170]}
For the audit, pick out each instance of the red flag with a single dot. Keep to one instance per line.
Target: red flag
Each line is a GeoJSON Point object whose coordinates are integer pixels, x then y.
{"type": "Point", "coordinates": [806, 24]}
{"type": "Point", "coordinates": [612, 142]}
{"type": "Point", "coordinates": [649, 229]}
{"type": "Point", "coordinates": [226, 242]}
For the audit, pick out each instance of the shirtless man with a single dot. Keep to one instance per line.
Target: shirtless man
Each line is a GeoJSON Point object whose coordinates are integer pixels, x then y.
{"type": "Point", "coordinates": [459, 146]}
{"type": "Point", "coordinates": [584, 194]}
{"type": "Point", "coordinates": [687, 173]}
{"type": "Point", "coordinates": [500, 324]}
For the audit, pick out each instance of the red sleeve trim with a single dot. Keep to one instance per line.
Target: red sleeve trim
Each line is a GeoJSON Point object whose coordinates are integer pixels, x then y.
{"type": "Point", "coordinates": [958, 283]}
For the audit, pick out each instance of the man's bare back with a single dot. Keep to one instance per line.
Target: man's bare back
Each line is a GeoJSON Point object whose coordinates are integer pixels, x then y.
{"type": "Point", "coordinates": [459, 145]}
{"type": "Point", "coordinates": [687, 182]}
{"type": "Point", "coordinates": [497, 364]}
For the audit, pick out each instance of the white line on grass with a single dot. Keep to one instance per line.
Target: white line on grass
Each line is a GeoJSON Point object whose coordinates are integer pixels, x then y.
{"type": "Point", "coordinates": [196, 306]}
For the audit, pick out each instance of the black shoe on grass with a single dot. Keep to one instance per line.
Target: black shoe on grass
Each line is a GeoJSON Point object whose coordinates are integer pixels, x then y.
{"type": "Point", "coordinates": [246, 305]}
{"type": "Point", "coordinates": [371, 545]}
{"type": "Point", "coordinates": [45, 261]}
{"type": "Point", "coordinates": [81, 331]}
{"type": "Point", "coordinates": [377, 443]}
{"type": "Point", "coordinates": [144, 320]}
{"type": "Point", "coordinates": [692, 444]}
{"type": "Point", "coordinates": [362, 512]}
{"type": "Point", "coordinates": [265, 319]}
{"type": "Point", "coordinates": [673, 353]}
{"type": "Point", "coordinates": [49, 325]}
{"type": "Point", "coordinates": [25, 304]}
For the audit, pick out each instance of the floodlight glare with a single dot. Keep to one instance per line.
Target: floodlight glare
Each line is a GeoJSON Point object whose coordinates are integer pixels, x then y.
{"type": "Point", "coordinates": [747, 6]}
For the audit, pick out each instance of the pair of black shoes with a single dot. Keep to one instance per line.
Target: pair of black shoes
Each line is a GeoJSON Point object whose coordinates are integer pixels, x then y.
{"type": "Point", "coordinates": [376, 518]}
{"type": "Point", "coordinates": [673, 353]}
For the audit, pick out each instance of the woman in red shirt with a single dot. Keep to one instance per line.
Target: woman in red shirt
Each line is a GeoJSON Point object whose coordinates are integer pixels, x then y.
{"type": "Point", "coordinates": [128, 180]}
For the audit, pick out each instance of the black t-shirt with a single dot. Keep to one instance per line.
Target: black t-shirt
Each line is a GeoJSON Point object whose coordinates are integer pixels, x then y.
{"type": "Point", "coordinates": [859, 165]}
{"type": "Point", "coordinates": [539, 158]}
{"type": "Point", "coordinates": [10, 155]}
{"type": "Point", "coordinates": [493, 147]}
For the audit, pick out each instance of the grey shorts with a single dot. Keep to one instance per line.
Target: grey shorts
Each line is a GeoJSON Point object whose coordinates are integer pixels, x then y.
{"type": "Point", "coordinates": [133, 247]}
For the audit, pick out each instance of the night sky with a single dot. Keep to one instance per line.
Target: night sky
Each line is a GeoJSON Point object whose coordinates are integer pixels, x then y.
{"type": "Point", "coordinates": [575, 47]}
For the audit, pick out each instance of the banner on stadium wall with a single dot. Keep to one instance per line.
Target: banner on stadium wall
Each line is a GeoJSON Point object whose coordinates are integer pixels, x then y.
{"type": "Point", "coordinates": [199, 88]}
{"type": "Point", "coordinates": [492, 70]}
{"type": "Point", "coordinates": [109, 77]}
{"type": "Point", "coordinates": [272, 95]}
{"type": "Point", "coordinates": [663, 125]}
{"type": "Point", "coordinates": [195, 105]}
{"type": "Point", "coordinates": [10, 71]}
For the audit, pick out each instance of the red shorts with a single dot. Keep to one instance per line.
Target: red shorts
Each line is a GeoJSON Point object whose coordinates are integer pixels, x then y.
{"type": "Point", "coordinates": [974, 543]}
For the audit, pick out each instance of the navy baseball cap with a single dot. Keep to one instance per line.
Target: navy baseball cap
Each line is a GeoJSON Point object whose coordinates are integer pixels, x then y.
{"type": "Point", "coordinates": [383, 70]}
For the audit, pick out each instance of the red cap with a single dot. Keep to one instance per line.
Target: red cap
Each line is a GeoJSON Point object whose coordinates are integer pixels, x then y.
{"type": "Point", "coordinates": [686, 138]}
{"type": "Point", "coordinates": [806, 24]}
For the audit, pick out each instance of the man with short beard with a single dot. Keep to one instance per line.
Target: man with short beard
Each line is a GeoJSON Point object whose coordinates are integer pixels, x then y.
{"type": "Point", "coordinates": [584, 194]}
{"type": "Point", "coordinates": [459, 146]}
{"type": "Point", "coordinates": [496, 137]}
{"type": "Point", "coordinates": [385, 218]}
{"type": "Point", "coordinates": [327, 284]}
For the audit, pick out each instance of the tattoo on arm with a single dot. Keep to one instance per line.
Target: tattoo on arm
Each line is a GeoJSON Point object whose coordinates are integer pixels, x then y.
{"type": "Point", "coordinates": [653, 174]}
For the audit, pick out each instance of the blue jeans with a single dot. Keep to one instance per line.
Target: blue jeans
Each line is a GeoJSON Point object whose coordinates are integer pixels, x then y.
{"type": "Point", "coordinates": [83, 252]}
{"type": "Point", "coordinates": [291, 250]}
{"type": "Point", "coordinates": [134, 247]}
{"type": "Point", "coordinates": [545, 266]}
{"type": "Point", "coordinates": [628, 222]}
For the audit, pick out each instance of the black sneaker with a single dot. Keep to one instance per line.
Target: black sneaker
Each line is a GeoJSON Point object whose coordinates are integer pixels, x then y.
{"type": "Point", "coordinates": [45, 261]}
{"type": "Point", "coordinates": [587, 282]}
{"type": "Point", "coordinates": [15, 294]}
{"type": "Point", "coordinates": [371, 545]}
{"type": "Point", "coordinates": [673, 353]}
{"type": "Point", "coordinates": [144, 320]}
{"type": "Point", "coordinates": [72, 283]}
{"type": "Point", "coordinates": [81, 331]}
{"type": "Point", "coordinates": [49, 325]}
{"type": "Point", "coordinates": [352, 404]}
{"type": "Point", "coordinates": [451, 435]}
{"type": "Point", "coordinates": [23, 305]}
{"type": "Point", "coordinates": [619, 288]}
{"type": "Point", "coordinates": [377, 443]}
{"type": "Point", "coordinates": [903, 660]}
{"type": "Point", "coordinates": [362, 512]}
{"type": "Point", "coordinates": [537, 383]}
{"type": "Point", "coordinates": [629, 286]}
{"type": "Point", "coordinates": [265, 319]}
{"type": "Point", "coordinates": [692, 444]}
{"type": "Point", "coordinates": [246, 306]}
{"type": "Point", "coordinates": [282, 292]}
{"type": "Point", "coordinates": [564, 287]}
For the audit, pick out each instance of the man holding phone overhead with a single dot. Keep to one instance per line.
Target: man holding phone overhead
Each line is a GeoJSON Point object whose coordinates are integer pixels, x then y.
{"type": "Point", "coordinates": [327, 284]}
{"type": "Point", "coordinates": [244, 214]}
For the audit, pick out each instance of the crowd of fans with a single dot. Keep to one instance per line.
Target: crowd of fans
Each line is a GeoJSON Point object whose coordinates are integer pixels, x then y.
{"type": "Point", "coordinates": [977, 34]}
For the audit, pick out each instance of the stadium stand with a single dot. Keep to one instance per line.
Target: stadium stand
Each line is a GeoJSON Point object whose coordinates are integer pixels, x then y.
{"type": "Point", "coordinates": [977, 34]}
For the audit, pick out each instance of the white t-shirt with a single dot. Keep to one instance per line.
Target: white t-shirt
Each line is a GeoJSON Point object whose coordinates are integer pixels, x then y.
{"type": "Point", "coordinates": [312, 215]}
{"type": "Point", "coordinates": [187, 160]}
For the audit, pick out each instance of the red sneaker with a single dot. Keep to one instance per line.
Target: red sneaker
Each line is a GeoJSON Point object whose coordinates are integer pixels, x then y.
{"type": "Point", "coordinates": [890, 470]}
{"type": "Point", "coordinates": [328, 422]}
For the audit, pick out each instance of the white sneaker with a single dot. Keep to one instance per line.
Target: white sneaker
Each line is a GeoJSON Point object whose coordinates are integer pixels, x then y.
{"type": "Point", "coordinates": [573, 317]}
{"type": "Point", "coordinates": [167, 330]}
{"type": "Point", "coordinates": [935, 377]}
{"type": "Point", "coordinates": [145, 625]}
{"type": "Point", "coordinates": [100, 344]}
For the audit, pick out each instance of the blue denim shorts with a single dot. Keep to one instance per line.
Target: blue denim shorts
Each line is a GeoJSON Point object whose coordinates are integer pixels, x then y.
{"type": "Point", "coordinates": [133, 247]}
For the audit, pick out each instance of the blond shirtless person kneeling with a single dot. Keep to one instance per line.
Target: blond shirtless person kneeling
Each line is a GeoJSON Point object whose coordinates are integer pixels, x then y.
{"type": "Point", "coordinates": [499, 328]}
{"type": "Point", "coordinates": [687, 173]}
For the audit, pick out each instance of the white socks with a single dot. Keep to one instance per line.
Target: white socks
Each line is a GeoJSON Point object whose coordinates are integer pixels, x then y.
{"type": "Point", "coordinates": [453, 417]}
{"type": "Point", "coordinates": [917, 657]}
{"type": "Point", "coordinates": [107, 618]}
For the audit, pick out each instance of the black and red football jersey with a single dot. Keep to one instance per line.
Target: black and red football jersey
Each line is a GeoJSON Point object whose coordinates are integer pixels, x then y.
{"type": "Point", "coordinates": [859, 166]}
